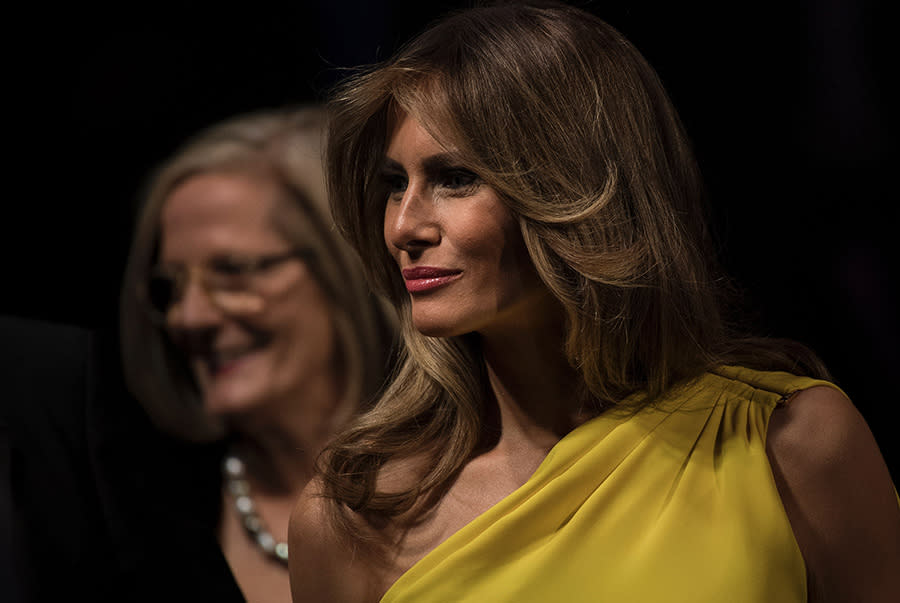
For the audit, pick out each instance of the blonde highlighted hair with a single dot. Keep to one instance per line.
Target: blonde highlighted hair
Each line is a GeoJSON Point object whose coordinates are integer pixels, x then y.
{"type": "Point", "coordinates": [563, 117]}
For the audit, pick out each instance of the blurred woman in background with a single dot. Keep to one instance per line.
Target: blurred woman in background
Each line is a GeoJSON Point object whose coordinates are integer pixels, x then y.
{"type": "Point", "coordinates": [246, 324]}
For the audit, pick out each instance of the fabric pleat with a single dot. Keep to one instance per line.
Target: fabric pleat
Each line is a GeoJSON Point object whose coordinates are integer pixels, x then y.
{"type": "Point", "coordinates": [675, 502]}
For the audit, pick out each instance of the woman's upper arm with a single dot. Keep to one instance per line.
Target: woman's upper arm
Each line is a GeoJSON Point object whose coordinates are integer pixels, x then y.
{"type": "Point", "coordinates": [838, 495]}
{"type": "Point", "coordinates": [321, 568]}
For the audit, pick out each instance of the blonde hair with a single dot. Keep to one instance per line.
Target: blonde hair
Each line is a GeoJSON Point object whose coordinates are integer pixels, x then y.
{"type": "Point", "coordinates": [563, 117]}
{"type": "Point", "coordinates": [286, 145]}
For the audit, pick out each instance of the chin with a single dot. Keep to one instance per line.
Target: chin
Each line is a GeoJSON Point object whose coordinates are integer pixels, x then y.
{"type": "Point", "coordinates": [220, 402]}
{"type": "Point", "coordinates": [440, 330]}
{"type": "Point", "coordinates": [443, 324]}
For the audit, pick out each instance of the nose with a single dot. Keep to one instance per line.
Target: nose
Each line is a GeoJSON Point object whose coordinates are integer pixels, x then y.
{"type": "Point", "coordinates": [411, 224]}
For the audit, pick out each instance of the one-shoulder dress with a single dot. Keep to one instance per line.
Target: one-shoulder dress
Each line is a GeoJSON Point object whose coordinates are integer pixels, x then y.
{"type": "Point", "coordinates": [673, 503]}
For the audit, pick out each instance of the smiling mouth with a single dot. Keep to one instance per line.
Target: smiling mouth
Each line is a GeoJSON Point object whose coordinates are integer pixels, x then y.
{"type": "Point", "coordinates": [427, 278]}
{"type": "Point", "coordinates": [218, 364]}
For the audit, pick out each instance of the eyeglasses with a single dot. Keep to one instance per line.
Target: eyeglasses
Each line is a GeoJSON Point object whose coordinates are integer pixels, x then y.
{"type": "Point", "coordinates": [229, 282]}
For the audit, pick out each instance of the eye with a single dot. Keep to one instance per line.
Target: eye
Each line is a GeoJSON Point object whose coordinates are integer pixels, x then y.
{"type": "Point", "coordinates": [230, 266]}
{"type": "Point", "coordinates": [459, 181]}
{"type": "Point", "coordinates": [395, 183]}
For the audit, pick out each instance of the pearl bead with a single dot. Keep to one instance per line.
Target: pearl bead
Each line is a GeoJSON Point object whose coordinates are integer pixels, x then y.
{"type": "Point", "coordinates": [234, 470]}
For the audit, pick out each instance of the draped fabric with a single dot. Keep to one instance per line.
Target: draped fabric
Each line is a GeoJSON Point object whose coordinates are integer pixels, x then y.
{"type": "Point", "coordinates": [675, 502]}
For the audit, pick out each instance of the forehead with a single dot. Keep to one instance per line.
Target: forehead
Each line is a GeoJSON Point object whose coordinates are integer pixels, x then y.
{"type": "Point", "coordinates": [409, 136]}
{"type": "Point", "coordinates": [219, 210]}
{"type": "Point", "coordinates": [406, 134]}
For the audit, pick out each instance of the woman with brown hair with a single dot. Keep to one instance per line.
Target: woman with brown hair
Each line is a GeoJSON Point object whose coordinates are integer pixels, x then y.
{"type": "Point", "coordinates": [574, 417]}
{"type": "Point", "coordinates": [246, 325]}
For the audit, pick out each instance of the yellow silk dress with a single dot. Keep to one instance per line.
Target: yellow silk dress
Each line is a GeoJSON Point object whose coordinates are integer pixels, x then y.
{"type": "Point", "coordinates": [673, 503]}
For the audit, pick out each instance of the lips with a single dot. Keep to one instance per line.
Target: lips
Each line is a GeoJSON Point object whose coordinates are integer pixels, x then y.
{"type": "Point", "coordinates": [426, 278]}
{"type": "Point", "coordinates": [220, 362]}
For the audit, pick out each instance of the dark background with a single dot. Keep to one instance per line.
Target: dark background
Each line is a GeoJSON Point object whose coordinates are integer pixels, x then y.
{"type": "Point", "coordinates": [788, 105]}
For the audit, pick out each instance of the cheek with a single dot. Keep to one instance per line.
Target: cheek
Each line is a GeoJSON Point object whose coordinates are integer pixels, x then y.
{"type": "Point", "coordinates": [493, 241]}
{"type": "Point", "coordinates": [304, 328]}
{"type": "Point", "coordinates": [386, 225]}
{"type": "Point", "coordinates": [387, 233]}
{"type": "Point", "coordinates": [506, 260]}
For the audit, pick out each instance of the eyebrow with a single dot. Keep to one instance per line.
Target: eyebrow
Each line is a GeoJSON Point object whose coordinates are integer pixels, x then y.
{"type": "Point", "coordinates": [391, 166]}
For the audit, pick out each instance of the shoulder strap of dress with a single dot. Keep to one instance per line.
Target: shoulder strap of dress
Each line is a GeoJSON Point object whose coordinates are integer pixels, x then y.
{"type": "Point", "coordinates": [785, 384]}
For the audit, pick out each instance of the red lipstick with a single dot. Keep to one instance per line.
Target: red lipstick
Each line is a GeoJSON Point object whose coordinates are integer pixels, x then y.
{"type": "Point", "coordinates": [426, 278]}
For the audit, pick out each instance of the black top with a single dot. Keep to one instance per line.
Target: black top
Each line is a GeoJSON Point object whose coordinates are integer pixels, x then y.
{"type": "Point", "coordinates": [96, 504]}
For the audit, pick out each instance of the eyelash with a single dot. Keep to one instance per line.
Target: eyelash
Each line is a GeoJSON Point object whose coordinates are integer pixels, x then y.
{"type": "Point", "coordinates": [460, 182]}
{"type": "Point", "coordinates": [469, 179]}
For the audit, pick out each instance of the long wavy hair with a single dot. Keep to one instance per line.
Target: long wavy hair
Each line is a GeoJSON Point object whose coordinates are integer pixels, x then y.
{"type": "Point", "coordinates": [564, 118]}
{"type": "Point", "coordinates": [286, 145]}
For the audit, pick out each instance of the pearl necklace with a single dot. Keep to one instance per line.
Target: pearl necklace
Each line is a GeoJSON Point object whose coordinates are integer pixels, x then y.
{"type": "Point", "coordinates": [235, 472]}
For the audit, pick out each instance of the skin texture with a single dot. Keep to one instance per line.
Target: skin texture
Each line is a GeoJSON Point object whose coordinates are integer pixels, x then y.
{"type": "Point", "coordinates": [838, 496]}
{"type": "Point", "coordinates": [440, 214]}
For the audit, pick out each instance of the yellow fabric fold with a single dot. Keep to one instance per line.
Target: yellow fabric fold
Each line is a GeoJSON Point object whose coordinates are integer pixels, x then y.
{"type": "Point", "coordinates": [673, 503]}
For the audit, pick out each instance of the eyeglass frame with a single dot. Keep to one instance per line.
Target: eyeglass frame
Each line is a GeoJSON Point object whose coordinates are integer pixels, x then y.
{"type": "Point", "coordinates": [248, 268]}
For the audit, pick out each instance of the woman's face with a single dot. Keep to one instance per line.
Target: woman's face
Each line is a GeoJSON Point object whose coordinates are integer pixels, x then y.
{"type": "Point", "coordinates": [458, 247]}
{"type": "Point", "coordinates": [256, 358]}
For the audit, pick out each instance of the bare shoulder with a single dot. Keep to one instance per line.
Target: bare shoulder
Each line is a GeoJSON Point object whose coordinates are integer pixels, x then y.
{"type": "Point", "coordinates": [323, 567]}
{"type": "Point", "coordinates": [838, 495]}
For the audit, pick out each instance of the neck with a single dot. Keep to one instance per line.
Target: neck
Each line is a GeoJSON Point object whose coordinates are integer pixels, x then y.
{"type": "Point", "coordinates": [533, 383]}
{"type": "Point", "coordinates": [280, 449]}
